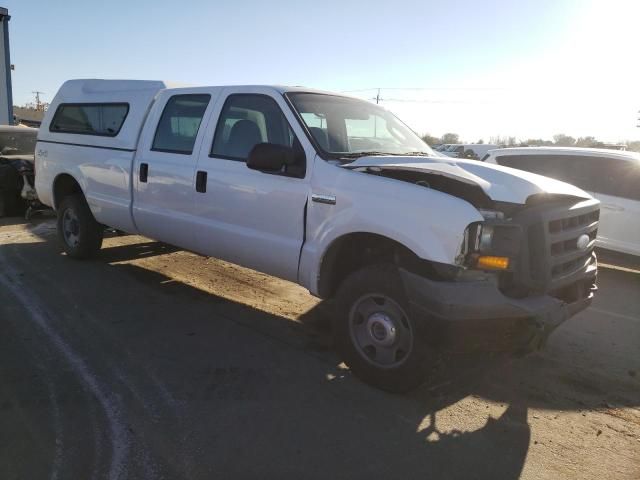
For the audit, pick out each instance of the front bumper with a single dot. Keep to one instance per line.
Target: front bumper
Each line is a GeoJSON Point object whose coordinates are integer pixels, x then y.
{"type": "Point", "coordinates": [476, 316]}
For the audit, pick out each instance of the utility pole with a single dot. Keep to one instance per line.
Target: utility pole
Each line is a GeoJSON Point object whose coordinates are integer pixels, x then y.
{"type": "Point", "coordinates": [39, 106]}
{"type": "Point", "coordinates": [375, 119]}
{"type": "Point", "coordinates": [377, 97]}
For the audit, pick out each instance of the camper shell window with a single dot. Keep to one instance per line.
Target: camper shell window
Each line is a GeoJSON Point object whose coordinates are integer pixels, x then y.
{"type": "Point", "coordinates": [100, 119]}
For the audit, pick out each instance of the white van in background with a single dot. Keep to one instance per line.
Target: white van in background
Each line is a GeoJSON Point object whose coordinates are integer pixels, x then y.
{"type": "Point", "coordinates": [612, 176]}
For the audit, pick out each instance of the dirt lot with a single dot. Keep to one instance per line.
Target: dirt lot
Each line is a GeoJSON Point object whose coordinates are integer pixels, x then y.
{"type": "Point", "coordinates": [155, 363]}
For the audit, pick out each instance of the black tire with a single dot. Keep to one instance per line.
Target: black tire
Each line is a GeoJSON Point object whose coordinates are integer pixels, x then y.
{"type": "Point", "coordinates": [381, 284]}
{"type": "Point", "coordinates": [78, 232]}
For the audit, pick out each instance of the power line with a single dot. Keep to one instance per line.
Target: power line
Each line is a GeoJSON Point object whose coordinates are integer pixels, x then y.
{"type": "Point", "coordinates": [471, 89]}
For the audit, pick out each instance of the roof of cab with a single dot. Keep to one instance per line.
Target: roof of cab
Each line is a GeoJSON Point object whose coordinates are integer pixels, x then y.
{"type": "Point", "coordinates": [95, 86]}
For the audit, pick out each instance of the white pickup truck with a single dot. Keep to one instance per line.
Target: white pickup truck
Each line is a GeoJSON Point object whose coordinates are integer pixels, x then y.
{"type": "Point", "coordinates": [334, 193]}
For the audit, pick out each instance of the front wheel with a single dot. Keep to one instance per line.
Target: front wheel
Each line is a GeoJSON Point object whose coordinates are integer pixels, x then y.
{"type": "Point", "coordinates": [78, 232]}
{"type": "Point", "coordinates": [375, 333]}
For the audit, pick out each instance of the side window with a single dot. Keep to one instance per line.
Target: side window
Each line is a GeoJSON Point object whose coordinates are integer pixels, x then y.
{"type": "Point", "coordinates": [100, 119]}
{"type": "Point", "coordinates": [566, 168]}
{"type": "Point", "coordinates": [617, 178]}
{"type": "Point", "coordinates": [530, 163]}
{"type": "Point", "coordinates": [245, 121]}
{"type": "Point", "coordinates": [179, 123]}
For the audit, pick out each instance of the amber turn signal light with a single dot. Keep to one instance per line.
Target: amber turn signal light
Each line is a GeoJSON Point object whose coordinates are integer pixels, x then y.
{"type": "Point", "coordinates": [492, 263]}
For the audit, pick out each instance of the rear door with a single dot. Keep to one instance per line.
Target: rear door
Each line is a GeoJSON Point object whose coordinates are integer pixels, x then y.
{"type": "Point", "coordinates": [164, 170]}
{"type": "Point", "coordinates": [248, 217]}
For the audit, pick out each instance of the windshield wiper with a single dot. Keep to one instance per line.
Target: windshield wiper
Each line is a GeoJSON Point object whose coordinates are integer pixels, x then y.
{"type": "Point", "coordinates": [425, 154]}
{"type": "Point", "coordinates": [371, 153]}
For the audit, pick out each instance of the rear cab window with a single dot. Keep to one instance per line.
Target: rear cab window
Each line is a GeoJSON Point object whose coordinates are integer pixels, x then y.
{"type": "Point", "coordinates": [179, 123]}
{"type": "Point", "coordinates": [100, 119]}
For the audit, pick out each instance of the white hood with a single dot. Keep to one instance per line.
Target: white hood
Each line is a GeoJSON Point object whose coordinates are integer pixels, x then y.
{"type": "Point", "coordinates": [501, 184]}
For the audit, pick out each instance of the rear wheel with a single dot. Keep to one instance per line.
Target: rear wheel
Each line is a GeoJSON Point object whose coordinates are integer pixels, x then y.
{"type": "Point", "coordinates": [374, 332]}
{"type": "Point", "coordinates": [78, 232]}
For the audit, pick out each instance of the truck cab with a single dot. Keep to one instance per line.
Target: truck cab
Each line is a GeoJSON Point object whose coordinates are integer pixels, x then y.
{"type": "Point", "coordinates": [418, 251]}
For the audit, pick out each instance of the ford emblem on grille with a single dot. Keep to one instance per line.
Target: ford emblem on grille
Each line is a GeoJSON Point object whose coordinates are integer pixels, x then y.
{"type": "Point", "coordinates": [583, 242]}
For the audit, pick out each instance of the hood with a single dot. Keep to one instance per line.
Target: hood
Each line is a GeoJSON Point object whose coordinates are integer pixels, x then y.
{"type": "Point", "coordinates": [501, 184]}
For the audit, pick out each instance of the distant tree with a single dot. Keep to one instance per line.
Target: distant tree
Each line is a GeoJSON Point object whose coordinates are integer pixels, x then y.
{"type": "Point", "coordinates": [430, 140]}
{"type": "Point", "coordinates": [563, 140]}
{"type": "Point", "coordinates": [480, 142]}
{"type": "Point", "coordinates": [538, 142]}
{"type": "Point", "coordinates": [588, 142]}
{"type": "Point", "coordinates": [450, 138]}
{"type": "Point", "coordinates": [507, 141]}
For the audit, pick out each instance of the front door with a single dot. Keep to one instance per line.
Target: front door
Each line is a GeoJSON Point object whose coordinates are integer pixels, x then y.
{"type": "Point", "coordinates": [248, 217]}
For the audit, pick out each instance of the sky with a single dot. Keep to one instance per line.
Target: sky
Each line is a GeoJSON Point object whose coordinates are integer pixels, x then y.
{"type": "Point", "coordinates": [527, 68]}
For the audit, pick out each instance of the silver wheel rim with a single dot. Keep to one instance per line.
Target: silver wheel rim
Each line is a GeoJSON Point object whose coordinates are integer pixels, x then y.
{"type": "Point", "coordinates": [70, 228]}
{"type": "Point", "coordinates": [380, 331]}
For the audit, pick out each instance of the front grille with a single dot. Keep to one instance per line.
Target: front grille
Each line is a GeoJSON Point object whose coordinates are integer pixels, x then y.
{"type": "Point", "coordinates": [564, 234]}
{"type": "Point", "coordinates": [569, 223]}
{"type": "Point", "coordinates": [557, 253]}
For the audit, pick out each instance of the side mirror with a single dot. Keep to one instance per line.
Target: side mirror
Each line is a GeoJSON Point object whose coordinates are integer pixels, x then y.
{"type": "Point", "coordinates": [269, 157]}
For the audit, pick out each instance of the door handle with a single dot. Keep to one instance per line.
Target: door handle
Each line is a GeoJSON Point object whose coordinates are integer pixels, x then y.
{"type": "Point", "coordinates": [201, 181]}
{"type": "Point", "coordinates": [144, 172]}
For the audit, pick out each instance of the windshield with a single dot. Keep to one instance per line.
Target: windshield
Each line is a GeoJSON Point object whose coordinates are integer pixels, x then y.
{"type": "Point", "coordinates": [346, 128]}
{"type": "Point", "coordinates": [18, 143]}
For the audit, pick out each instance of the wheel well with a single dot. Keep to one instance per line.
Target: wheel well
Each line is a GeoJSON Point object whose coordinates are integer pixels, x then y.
{"type": "Point", "coordinates": [356, 250]}
{"type": "Point", "coordinates": [64, 186]}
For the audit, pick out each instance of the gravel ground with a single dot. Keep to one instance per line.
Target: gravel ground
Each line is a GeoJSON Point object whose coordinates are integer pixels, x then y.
{"type": "Point", "coordinates": [150, 362]}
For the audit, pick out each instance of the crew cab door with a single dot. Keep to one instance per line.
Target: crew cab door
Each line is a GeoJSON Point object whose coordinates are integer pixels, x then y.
{"type": "Point", "coordinates": [164, 170]}
{"type": "Point", "coordinates": [249, 217]}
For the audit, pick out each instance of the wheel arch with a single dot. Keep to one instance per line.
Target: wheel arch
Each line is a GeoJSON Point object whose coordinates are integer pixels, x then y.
{"type": "Point", "coordinates": [64, 185]}
{"type": "Point", "coordinates": [353, 251]}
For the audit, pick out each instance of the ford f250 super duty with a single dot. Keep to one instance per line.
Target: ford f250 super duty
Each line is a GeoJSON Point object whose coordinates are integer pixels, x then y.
{"type": "Point", "coordinates": [334, 193]}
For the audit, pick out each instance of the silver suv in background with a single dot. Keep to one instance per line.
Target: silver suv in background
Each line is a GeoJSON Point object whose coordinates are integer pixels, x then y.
{"type": "Point", "coordinates": [612, 176]}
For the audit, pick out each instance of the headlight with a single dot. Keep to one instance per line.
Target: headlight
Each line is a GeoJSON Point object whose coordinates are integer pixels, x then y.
{"type": "Point", "coordinates": [490, 245]}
